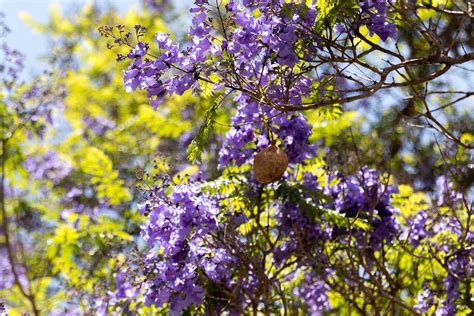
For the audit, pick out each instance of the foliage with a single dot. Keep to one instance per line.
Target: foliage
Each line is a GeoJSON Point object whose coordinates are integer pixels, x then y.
{"type": "Point", "coordinates": [111, 205]}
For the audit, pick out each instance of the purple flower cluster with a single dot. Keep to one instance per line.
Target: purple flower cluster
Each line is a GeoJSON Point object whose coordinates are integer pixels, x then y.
{"type": "Point", "coordinates": [6, 275]}
{"type": "Point", "coordinates": [257, 51]}
{"type": "Point", "coordinates": [445, 193]}
{"type": "Point", "coordinates": [424, 301]}
{"type": "Point", "coordinates": [23, 99]}
{"type": "Point", "coordinates": [147, 74]}
{"type": "Point", "coordinates": [99, 125]}
{"type": "Point", "coordinates": [374, 15]}
{"type": "Point", "coordinates": [156, 5]}
{"type": "Point", "coordinates": [250, 133]}
{"type": "Point", "coordinates": [430, 222]}
{"type": "Point", "coordinates": [48, 166]}
{"type": "Point", "coordinates": [178, 229]}
{"type": "Point", "coordinates": [365, 196]}
{"type": "Point", "coordinates": [123, 287]}
{"type": "Point", "coordinates": [459, 267]}
{"type": "Point", "coordinates": [417, 228]}
{"type": "Point", "coordinates": [313, 292]}
{"type": "Point", "coordinates": [360, 193]}
{"type": "Point", "coordinates": [7, 279]}
{"type": "Point", "coordinates": [444, 232]}
{"type": "Point", "coordinates": [12, 65]}
{"type": "Point", "coordinates": [302, 235]}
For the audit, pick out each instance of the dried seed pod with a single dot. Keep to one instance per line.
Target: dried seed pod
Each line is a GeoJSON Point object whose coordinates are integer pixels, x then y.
{"type": "Point", "coordinates": [270, 164]}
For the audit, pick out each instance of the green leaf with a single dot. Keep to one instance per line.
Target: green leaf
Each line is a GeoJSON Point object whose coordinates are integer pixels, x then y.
{"type": "Point", "coordinates": [331, 12]}
{"type": "Point", "coordinates": [294, 193]}
{"type": "Point", "coordinates": [288, 10]}
{"type": "Point", "coordinates": [196, 147]}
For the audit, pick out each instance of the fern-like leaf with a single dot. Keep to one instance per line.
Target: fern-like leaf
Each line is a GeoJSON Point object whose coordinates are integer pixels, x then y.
{"type": "Point", "coordinates": [196, 147]}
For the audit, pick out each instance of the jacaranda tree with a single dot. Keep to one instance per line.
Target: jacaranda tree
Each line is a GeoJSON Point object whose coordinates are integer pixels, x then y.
{"type": "Point", "coordinates": [295, 157]}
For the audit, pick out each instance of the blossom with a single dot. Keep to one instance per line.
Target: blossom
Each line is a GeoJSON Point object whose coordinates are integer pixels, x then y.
{"type": "Point", "coordinates": [48, 166]}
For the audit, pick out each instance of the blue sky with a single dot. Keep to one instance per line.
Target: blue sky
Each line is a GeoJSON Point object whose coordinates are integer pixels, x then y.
{"type": "Point", "coordinates": [32, 44]}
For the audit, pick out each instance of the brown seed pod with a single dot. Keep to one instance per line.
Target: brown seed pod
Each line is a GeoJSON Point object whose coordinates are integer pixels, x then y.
{"type": "Point", "coordinates": [270, 164]}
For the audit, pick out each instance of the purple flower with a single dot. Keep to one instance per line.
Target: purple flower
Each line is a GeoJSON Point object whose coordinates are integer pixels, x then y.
{"type": "Point", "coordinates": [180, 224]}
{"type": "Point", "coordinates": [157, 5]}
{"type": "Point", "coordinates": [417, 229]}
{"type": "Point", "coordinates": [139, 51]}
{"type": "Point", "coordinates": [48, 166]}
{"type": "Point", "coordinates": [446, 195]}
{"type": "Point", "coordinates": [375, 17]}
{"type": "Point", "coordinates": [313, 294]}
{"type": "Point", "coordinates": [124, 288]}
{"type": "Point", "coordinates": [243, 141]}
{"type": "Point", "coordinates": [378, 24]}
{"type": "Point", "coordinates": [424, 301]}
{"type": "Point", "coordinates": [99, 125]}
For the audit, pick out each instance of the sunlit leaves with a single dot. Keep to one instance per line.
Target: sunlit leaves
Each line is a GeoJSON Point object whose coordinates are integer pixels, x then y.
{"type": "Point", "coordinates": [196, 147]}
